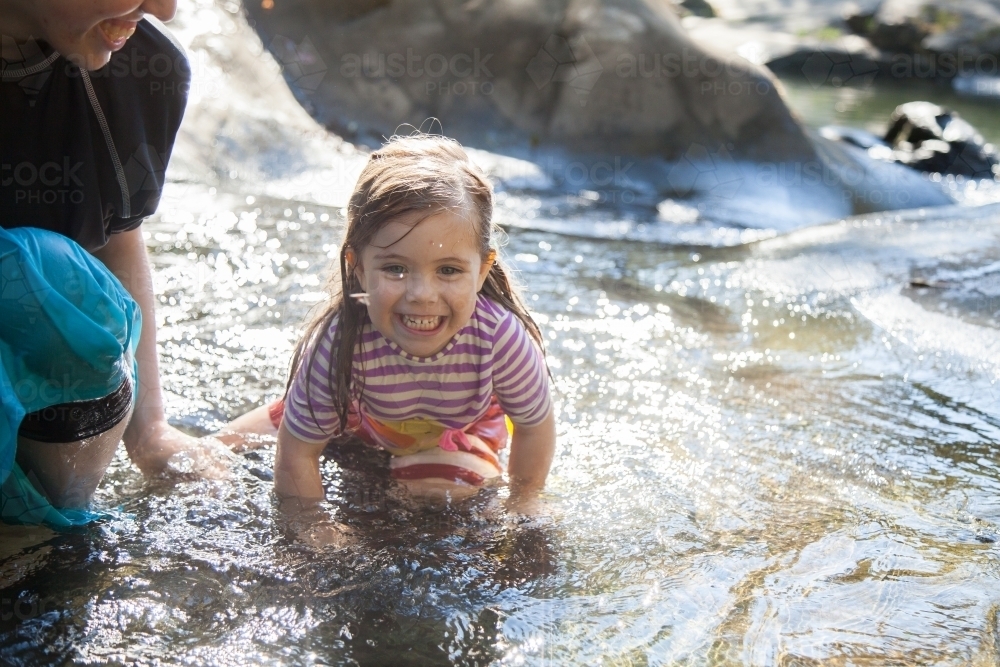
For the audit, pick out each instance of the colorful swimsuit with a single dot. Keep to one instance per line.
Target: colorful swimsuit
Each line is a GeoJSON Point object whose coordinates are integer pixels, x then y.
{"type": "Point", "coordinates": [423, 409]}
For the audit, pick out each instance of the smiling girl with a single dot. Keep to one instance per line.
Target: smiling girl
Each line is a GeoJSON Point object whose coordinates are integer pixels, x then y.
{"type": "Point", "coordinates": [426, 350]}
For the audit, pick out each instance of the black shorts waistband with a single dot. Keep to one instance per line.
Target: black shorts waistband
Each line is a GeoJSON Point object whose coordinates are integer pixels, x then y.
{"type": "Point", "coordinates": [69, 422]}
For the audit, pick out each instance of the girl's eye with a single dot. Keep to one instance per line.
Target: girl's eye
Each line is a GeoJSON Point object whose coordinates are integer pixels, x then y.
{"type": "Point", "coordinates": [394, 269]}
{"type": "Point", "coordinates": [450, 270]}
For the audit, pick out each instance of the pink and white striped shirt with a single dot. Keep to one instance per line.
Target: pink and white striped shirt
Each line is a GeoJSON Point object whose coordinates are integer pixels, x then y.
{"type": "Point", "coordinates": [491, 355]}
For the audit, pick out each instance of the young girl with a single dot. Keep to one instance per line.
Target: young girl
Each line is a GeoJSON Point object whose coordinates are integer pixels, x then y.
{"type": "Point", "coordinates": [424, 349]}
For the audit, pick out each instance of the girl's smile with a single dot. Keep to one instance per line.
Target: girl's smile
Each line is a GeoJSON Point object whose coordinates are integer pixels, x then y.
{"type": "Point", "coordinates": [424, 326]}
{"type": "Point", "coordinates": [422, 280]}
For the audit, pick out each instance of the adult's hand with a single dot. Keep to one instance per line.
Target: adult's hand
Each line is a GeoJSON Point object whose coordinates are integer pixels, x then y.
{"type": "Point", "coordinates": [163, 449]}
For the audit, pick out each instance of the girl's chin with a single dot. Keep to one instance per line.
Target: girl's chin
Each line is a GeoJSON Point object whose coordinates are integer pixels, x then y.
{"type": "Point", "coordinates": [419, 350]}
{"type": "Point", "coordinates": [420, 346]}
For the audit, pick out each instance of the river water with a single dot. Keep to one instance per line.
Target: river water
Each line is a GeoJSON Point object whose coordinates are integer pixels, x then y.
{"type": "Point", "coordinates": [776, 449]}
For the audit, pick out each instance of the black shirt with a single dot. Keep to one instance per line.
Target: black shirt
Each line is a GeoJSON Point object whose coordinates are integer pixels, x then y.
{"type": "Point", "coordinates": [84, 153]}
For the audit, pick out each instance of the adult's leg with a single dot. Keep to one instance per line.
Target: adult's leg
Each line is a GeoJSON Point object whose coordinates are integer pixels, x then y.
{"type": "Point", "coordinates": [67, 335]}
{"type": "Point", "coordinates": [67, 473]}
{"type": "Point", "coordinates": [64, 449]}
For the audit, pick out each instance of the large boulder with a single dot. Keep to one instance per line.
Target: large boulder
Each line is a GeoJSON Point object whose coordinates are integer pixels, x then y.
{"type": "Point", "coordinates": [601, 76]}
{"type": "Point", "coordinates": [244, 131]}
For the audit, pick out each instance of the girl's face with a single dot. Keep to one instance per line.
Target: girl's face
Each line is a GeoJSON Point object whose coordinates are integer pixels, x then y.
{"type": "Point", "coordinates": [87, 31]}
{"type": "Point", "coordinates": [422, 280]}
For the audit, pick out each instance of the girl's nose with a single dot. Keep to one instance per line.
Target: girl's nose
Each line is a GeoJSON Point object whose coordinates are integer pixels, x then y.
{"type": "Point", "coordinates": [161, 9]}
{"type": "Point", "coordinates": [420, 289]}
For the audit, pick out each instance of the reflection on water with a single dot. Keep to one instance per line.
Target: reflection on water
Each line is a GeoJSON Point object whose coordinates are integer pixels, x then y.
{"type": "Point", "coordinates": [778, 452]}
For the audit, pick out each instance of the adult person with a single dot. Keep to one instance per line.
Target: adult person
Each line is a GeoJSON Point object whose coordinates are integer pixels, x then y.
{"type": "Point", "coordinates": [93, 92]}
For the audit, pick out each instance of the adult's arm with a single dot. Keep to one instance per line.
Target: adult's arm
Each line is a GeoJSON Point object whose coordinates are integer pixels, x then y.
{"type": "Point", "coordinates": [149, 439]}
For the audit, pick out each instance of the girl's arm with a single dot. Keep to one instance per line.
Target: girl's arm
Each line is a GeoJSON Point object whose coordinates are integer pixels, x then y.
{"type": "Point", "coordinates": [296, 468]}
{"type": "Point", "coordinates": [298, 484]}
{"type": "Point", "coordinates": [531, 452]}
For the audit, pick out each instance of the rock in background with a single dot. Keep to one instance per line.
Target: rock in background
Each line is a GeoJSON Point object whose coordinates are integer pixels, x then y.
{"type": "Point", "coordinates": [243, 124]}
{"type": "Point", "coordinates": [603, 76]}
{"type": "Point", "coordinates": [854, 42]}
{"type": "Point", "coordinates": [929, 138]}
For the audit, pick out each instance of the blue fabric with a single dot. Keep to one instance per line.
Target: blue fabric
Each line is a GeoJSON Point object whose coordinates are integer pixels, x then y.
{"type": "Point", "coordinates": [68, 332]}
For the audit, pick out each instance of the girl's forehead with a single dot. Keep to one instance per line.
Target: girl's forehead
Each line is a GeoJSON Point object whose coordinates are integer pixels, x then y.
{"type": "Point", "coordinates": [442, 231]}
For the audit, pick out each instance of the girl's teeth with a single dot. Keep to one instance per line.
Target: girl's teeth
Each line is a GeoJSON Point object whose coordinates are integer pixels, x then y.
{"type": "Point", "coordinates": [421, 323]}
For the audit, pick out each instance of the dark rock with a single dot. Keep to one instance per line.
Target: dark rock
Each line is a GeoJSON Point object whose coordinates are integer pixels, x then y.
{"type": "Point", "coordinates": [929, 138]}
{"type": "Point", "coordinates": [842, 64]}
{"type": "Point", "coordinates": [861, 24]}
{"type": "Point", "coordinates": [898, 26]}
{"type": "Point", "coordinates": [619, 77]}
{"type": "Point", "coordinates": [699, 8]}
{"type": "Point", "coordinates": [921, 39]}
{"type": "Point", "coordinates": [970, 27]}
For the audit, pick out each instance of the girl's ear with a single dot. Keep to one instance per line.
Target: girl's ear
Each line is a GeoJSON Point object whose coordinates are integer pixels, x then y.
{"type": "Point", "coordinates": [484, 268]}
{"type": "Point", "coordinates": [354, 264]}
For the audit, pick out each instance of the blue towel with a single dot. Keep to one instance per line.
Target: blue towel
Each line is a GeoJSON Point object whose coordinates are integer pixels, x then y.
{"type": "Point", "coordinates": [68, 332]}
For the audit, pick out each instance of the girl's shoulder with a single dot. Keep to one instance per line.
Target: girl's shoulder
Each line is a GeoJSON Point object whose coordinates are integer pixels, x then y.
{"type": "Point", "coordinates": [494, 320]}
{"type": "Point", "coordinates": [489, 312]}
{"type": "Point", "coordinates": [331, 329]}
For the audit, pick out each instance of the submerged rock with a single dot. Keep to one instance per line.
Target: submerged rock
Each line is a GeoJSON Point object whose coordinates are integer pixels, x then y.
{"type": "Point", "coordinates": [606, 76]}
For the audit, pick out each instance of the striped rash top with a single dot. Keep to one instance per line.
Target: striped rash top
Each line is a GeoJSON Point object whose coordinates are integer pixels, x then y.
{"type": "Point", "coordinates": [491, 355]}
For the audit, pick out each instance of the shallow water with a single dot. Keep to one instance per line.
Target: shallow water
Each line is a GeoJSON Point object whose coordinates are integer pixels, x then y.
{"type": "Point", "coordinates": [770, 451]}
{"type": "Point", "coordinates": [780, 452]}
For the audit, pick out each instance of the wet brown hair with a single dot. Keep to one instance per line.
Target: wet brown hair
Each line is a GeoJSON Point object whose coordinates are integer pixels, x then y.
{"type": "Point", "coordinates": [410, 177]}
